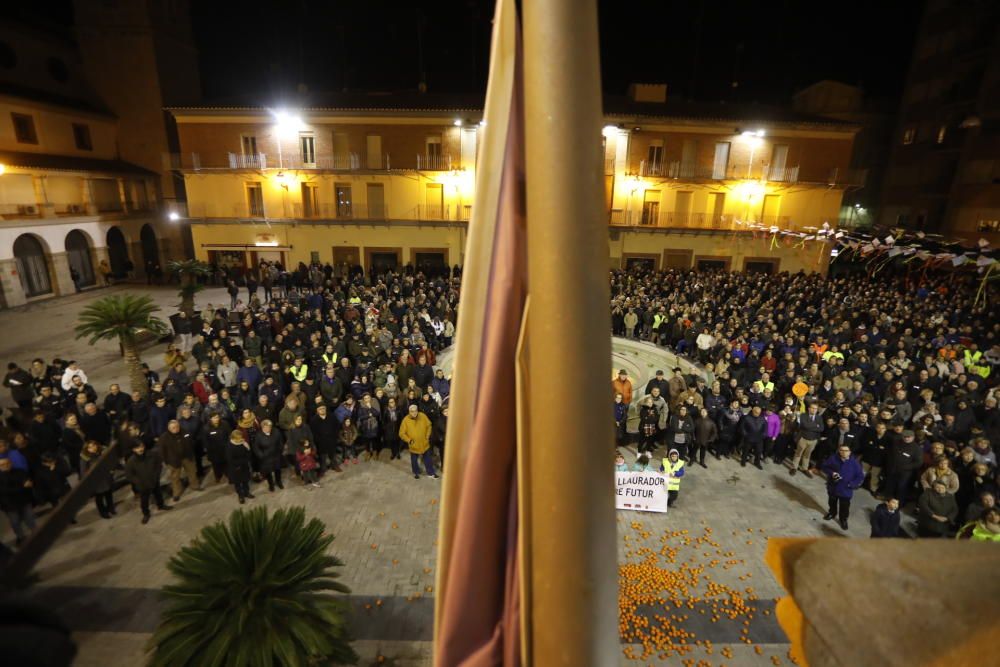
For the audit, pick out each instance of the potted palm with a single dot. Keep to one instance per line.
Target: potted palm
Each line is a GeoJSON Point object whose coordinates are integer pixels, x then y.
{"type": "Point", "coordinates": [188, 272]}
{"type": "Point", "coordinates": [124, 318]}
{"type": "Point", "coordinates": [256, 591]}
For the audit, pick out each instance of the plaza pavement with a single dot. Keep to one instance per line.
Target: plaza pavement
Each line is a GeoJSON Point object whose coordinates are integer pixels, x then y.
{"type": "Point", "coordinates": [102, 575]}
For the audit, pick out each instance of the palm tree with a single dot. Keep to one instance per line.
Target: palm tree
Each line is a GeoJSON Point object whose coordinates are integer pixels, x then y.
{"type": "Point", "coordinates": [254, 592]}
{"type": "Point", "coordinates": [123, 318]}
{"type": "Point", "coordinates": [188, 271]}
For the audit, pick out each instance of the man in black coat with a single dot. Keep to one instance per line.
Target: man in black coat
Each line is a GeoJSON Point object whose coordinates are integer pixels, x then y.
{"type": "Point", "coordinates": [214, 439]}
{"type": "Point", "coordinates": [143, 470]}
{"type": "Point", "coordinates": [885, 519]}
{"type": "Point", "coordinates": [238, 465]}
{"type": "Point", "coordinates": [15, 498]}
{"type": "Point", "coordinates": [96, 424]}
{"type": "Point", "coordinates": [326, 430]}
{"type": "Point", "coordinates": [49, 402]}
{"type": "Point", "coordinates": [266, 447]}
{"type": "Point", "coordinates": [905, 460]}
{"type": "Point", "coordinates": [753, 429]}
{"type": "Point", "coordinates": [44, 433]}
{"type": "Point", "coordinates": [19, 382]}
{"type": "Point", "coordinates": [116, 404]}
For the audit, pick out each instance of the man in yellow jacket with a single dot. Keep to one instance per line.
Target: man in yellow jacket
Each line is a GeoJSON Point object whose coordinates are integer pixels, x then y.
{"type": "Point", "coordinates": [415, 431]}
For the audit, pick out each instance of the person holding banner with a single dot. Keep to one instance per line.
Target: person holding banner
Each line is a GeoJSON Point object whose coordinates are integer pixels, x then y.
{"type": "Point", "coordinates": [673, 465]}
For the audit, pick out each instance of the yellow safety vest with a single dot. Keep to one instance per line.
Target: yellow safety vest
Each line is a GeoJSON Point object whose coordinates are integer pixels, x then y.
{"type": "Point", "coordinates": [764, 386]}
{"type": "Point", "coordinates": [355, 300]}
{"type": "Point", "coordinates": [972, 363]}
{"type": "Point", "coordinates": [657, 320]}
{"type": "Point", "coordinates": [328, 359]}
{"type": "Point", "coordinates": [299, 372]}
{"type": "Point", "coordinates": [673, 483]}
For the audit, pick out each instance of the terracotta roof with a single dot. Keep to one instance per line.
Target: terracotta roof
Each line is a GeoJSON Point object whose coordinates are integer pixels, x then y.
{"type": "Point", "coordinates": [70, 163]}
{"type": "Point", "coordinates": [616, 107]}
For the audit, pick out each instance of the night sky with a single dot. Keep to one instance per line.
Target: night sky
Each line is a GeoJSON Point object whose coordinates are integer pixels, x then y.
{"type": "Point", "coordinates": [264, 48]}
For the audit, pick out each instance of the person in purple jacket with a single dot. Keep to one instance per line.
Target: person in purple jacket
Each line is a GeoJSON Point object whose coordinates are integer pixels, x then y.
{"type": "Point", "coordinates": [773, 430]}
{"type": "Point", "coordinates": [843, 475]}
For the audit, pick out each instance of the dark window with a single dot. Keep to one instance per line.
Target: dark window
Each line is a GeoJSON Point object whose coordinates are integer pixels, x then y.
{"type": "Point", "coordinates": [57, 70]}
{"type": "Point", "coordinates": [81, 136]}
{"type": "Point", "coordinates": [759, 267]}
{"type": "Point", "coordinates": [32, 266]}
{"type": "Point", "coordinates": [641, 263]}
{"type": "Point", "coordinates": [431, 263]}
{"type": "Point", "coordinates": [7, 56]}
{"type": "Point", "coordinates": [24, 128]}
{"type": "Point", "coordinates": [711, 265]}
{"type": "Point", "coordinates": [383, 262]}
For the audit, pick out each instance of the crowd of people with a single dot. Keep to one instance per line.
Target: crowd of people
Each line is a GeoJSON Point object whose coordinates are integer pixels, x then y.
{"type": "Point", "coordinates": [306, 380]}
{"type": "Point", "coordinates": [887, 384]}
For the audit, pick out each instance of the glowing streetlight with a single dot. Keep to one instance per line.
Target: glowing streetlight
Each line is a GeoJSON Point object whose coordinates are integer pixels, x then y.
{"type": "Point", "coordinates": [174, 216]}
{"type": "Point", "coordinates": [285, 123]}
{"type": "Point", "coordinates": [754, 138]}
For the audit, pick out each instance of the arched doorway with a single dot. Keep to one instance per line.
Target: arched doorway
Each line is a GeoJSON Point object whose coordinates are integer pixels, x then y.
{"type": "Point", "coordinates": [150, 247]}
{"type": "Point", "coordinates": [78, 255]}
{"type": "Point", "coordinates": [117, 252]}
{"type": "Point", "coordinates": [32, 266]}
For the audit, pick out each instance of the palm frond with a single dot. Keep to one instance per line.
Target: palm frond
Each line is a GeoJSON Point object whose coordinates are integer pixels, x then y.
{"type": "Point", "coordinates": [190, 267]}
{"type": "Point", "coordinates": [255, 590]}
{"type": "Point", "coordinates": [119, 317]}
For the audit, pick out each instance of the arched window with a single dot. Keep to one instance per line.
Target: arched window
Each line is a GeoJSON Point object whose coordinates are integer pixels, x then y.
{"type": "Point", "coordinates": [150, 247]}
{"type": "Point", "coordinates": [32, 266]}
{"type": "Point", "coordinates": [78, 255]}
{"type": "Point", "coordinates": [117, 252]}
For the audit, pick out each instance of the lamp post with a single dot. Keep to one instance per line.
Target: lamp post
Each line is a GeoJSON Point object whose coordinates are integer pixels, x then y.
{"type": "Point", "coordinates": [754, 138]}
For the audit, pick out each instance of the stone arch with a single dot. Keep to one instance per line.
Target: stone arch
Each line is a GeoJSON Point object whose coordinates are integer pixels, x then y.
{"type": "Point", "coordinates": [150, 247]}
{"type": "Point", "coordinates": [34, 265]}
{"type": "Point", "coordinates": [79, 255]}
{"type": "Point", "coordinates": [118, 256]}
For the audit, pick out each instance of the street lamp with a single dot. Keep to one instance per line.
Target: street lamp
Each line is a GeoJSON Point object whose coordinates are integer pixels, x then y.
{"type": "Point", "coordinates": [285, 123]}
{"type": "Point", "coordinates": [754, 139]}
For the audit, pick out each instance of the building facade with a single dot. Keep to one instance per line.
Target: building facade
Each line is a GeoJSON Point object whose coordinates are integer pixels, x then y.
{"type": "Point", "coordinates": [944, 169]}
{"type": "Point", "coordinates": [384, 186]}
{"type": "Point", "coordinates": [68, 201]}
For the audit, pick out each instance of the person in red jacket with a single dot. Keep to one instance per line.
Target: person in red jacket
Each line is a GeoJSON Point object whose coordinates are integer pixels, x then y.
{"type": "Point", "coordinates": [306, 458]}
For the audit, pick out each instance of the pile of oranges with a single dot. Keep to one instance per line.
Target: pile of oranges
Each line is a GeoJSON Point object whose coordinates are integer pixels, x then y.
{"type": "Point", "coordinates": [662, 583]}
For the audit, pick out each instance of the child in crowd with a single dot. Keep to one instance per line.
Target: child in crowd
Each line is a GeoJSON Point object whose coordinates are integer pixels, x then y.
{"type": "Point", "coordinates": [306, 458]}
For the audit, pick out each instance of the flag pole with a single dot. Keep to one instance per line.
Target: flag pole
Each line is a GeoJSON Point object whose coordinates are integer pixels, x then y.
{"type": "Point", "coordinates": [570, 616]}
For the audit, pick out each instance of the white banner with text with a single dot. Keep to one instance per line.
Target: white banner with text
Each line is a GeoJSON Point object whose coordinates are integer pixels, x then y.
{"type": "Point", "coordinates": [642, 491]}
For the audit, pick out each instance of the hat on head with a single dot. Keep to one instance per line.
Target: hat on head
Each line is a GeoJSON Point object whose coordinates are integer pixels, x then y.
{"type": "Point", "coordinates": [908, 434]}
{"type": "Point", "coordinates": [622, 371]}
{"type": "Point", "coordinates": [673, 451]}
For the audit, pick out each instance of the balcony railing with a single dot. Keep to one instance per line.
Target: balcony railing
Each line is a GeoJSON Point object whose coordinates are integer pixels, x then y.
{"type": "Point", "coordinates": [245, 161]}
{"type": "Point", "coordinates": [435, 163]}
{"type": "Point", "coordinates": [682, 170]}
{"type": "Point", "coordinates": [609, 166]}
{"type": "Point", "coordinates": [847, 176]}
{"type": "Point", "coordinates": [333, 212]}
{"type": "Point", "coordinates": [9, 211]}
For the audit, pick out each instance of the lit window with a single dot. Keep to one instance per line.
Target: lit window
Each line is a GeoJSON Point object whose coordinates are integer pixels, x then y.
{"type": "Point", "coordinates": [307, 149]}
{"type": "Point", "coordinates": [909, 134]}
{"type": "Point", "coordinates": [988, 226]}
{"type": "Point", "coordinates": [942, 131]}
